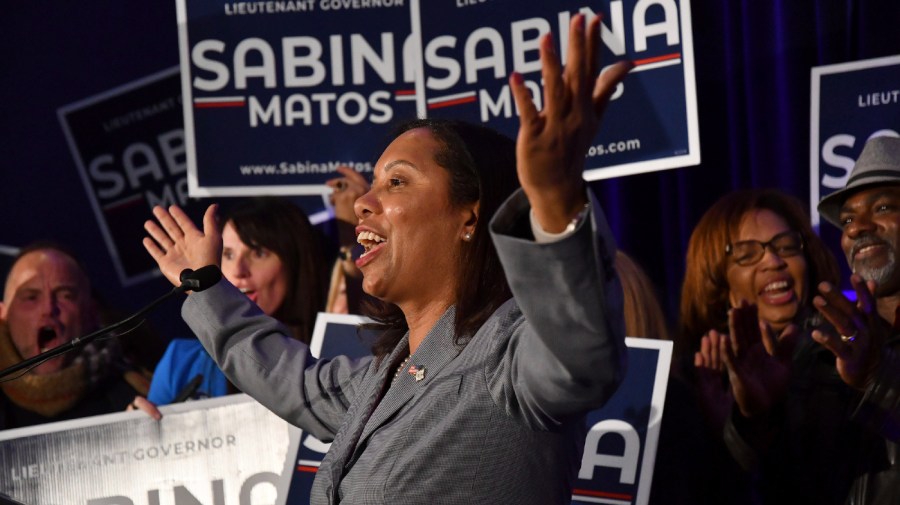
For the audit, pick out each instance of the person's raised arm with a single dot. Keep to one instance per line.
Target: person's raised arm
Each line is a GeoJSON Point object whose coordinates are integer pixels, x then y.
{"type": "Point", "coordinates": [345, 294]}
{"type": "Point", "coordinates": [256, 352]}
{"type": "Point", "coordinates": [345, 190]}
{"type": "Point", "coordinates": [551, 143]}
{"type": "Point", "coordinates": [569, 356]}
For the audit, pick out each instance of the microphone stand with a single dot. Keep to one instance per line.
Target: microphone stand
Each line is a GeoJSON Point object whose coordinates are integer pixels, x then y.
{"type": "Point", "coordinates": [79, 341]}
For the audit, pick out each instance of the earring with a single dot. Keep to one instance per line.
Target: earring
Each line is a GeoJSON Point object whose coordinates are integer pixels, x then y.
{"type": "Point", "coordinates": [467, 237]}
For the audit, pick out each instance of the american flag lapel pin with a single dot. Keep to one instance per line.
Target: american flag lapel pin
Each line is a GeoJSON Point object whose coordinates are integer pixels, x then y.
{"type": "Point", "coordinates": [417, 372]}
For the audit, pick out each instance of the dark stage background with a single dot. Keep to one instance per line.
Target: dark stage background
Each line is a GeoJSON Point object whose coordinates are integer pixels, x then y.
{"type": "Point", "coordinates": [753, 61]}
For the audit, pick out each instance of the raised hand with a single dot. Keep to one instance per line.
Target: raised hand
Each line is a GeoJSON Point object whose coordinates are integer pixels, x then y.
{"type": "Point", "coordinates": [551, 144]}
{"type": "Point", "coordinates": [175, 243]}
{"type": "Point", "coordinates": [862, 332]}
{"type": "Point", "coordinates": [345, 190]}
{"type": "Point", "coordinates": [710, 355]}
{"type": "Point", "coordinates": [758, 362]}
{"type": "Point", "coordinates": [716, 398]}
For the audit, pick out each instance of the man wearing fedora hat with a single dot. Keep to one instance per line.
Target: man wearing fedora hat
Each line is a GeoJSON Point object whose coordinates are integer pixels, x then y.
{"type": "Point", "coordinates": [845, 437]}
{"type": "Point", "coordinates": [867, 210]}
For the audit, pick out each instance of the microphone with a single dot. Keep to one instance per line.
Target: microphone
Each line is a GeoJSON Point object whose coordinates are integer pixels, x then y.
{"type": "Point", "coordinates": [200, 279]}
{"type": "Point", "coordinates": [191, 280]}
{"type": "Point", "coordinates": [188, 391]}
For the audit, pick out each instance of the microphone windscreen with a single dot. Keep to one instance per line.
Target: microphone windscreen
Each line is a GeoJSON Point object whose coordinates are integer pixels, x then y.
{"type": "Point", "coordinates": [185, 274]}
{"type": "Point", "coordinates": [204, 277]}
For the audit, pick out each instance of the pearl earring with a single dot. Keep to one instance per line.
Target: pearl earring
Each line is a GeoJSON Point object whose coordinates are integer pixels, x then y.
{"type": "Point", "coordinates": [467, 237]}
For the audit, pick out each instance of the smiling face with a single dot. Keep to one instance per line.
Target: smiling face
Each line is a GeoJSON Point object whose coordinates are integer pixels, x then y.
{"type": "Point", "coordinates": [410, 230]}
{"type": "Point", "coordinates": [776, 285]}
{"type": "Point", "coordinates": [46, 303]}
{"type": "Point", "coordinates": [870, 222]}
{"type": "Point", "coordinates": [257, 272]}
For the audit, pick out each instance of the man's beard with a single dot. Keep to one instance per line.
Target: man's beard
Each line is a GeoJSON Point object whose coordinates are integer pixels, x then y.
{"type": "Point", "coordinates": [880, 274]}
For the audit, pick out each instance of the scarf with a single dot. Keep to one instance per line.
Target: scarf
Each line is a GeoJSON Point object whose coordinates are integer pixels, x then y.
{"type": "Point", "coordinates": [53, 393]}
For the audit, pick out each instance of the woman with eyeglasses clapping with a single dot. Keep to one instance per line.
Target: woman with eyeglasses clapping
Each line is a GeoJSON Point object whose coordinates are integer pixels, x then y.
{"type": "Point", "coordinates": [756, 246]}
{"type": "Point", "coordinates": [752, 265]}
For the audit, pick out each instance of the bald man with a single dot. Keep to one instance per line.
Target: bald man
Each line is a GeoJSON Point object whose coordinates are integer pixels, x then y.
{"type": "Point", "coordinates": [46, 303]}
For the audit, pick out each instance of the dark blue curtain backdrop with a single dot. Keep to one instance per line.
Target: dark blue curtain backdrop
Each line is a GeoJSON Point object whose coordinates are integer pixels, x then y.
{"type": "Point", "coordinates": [753, 60]}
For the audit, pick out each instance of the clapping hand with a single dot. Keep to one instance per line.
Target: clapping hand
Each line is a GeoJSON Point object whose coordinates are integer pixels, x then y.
{"type": "Point", "coordinates": [716, 398]}
{"type": "Point", "coordinates": [862, 332]}
{"type": "Point", "coordinates": [758, 362]}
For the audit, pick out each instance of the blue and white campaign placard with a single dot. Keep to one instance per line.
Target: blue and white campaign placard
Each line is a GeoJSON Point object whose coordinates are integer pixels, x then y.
{"type": "Point", "coordinates": [227, 450]}
{"type": "Point", "coordinates": [471, 47]}
{"type": "Point", "coordinates": [850, 103]}
{"type": "Point", "coordinates": [620, 448]}
{"type": "Point", "coordinates": [129, 146]}
{"type": "Point", "coordinates": [277, 94]}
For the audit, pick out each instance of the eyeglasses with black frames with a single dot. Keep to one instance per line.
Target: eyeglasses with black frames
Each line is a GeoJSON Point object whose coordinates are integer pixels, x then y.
{"type": "Point", "coordinates": [751, 252]}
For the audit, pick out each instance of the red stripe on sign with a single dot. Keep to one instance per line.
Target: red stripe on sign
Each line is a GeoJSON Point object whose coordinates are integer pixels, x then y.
{"type": "Point", "coordinates": [655, 59]}
{"type": "Point", "coordinates": [310, 469]}
{"type": "Point", "coordinates": [448, 103]}
{"type": "Point", "coordinates": [209, 105]}
{"type": "Point", "coordinates": [405, 92]}
{"type": "Point", "coordinates": [603, 494]}
{"type": "Point", "coordinates": [121, 204]}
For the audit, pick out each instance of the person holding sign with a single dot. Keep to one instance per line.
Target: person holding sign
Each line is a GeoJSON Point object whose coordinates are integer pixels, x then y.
{"type": "Point", "coordinates": [496, 338]}
{"type": "Point", "coordinates": [345, 294]}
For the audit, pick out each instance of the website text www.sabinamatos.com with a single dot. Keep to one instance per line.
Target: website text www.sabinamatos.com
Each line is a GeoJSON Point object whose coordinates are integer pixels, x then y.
{"type": "Point", "coordinates": [309, 167]}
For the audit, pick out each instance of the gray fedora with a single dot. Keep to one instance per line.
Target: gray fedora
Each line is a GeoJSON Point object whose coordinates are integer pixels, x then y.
{"type": "Point", "coordinates": [878, 164]}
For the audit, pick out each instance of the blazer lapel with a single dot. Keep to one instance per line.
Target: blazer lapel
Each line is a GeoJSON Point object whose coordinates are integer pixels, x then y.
{"type": "Point", "coordinates": [343, 449]}
{"type": "Point", "coordinates": [430, 358]}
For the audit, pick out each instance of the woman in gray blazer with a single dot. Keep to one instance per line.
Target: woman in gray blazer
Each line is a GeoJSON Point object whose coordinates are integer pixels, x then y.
{"type": "Point", "coordinates": [483, 373]}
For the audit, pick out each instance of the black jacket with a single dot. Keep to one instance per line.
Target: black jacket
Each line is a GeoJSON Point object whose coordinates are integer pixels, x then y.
{"type": "Point", "coordinates": [829, 444]}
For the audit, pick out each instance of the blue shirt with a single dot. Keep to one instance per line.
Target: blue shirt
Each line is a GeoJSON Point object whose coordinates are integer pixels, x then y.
{"type": "Point", "coordinates": [185, 359]}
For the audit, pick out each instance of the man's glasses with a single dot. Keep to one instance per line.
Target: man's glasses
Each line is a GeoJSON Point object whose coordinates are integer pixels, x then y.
{"type": "Point", "coordinates": [750, 252]}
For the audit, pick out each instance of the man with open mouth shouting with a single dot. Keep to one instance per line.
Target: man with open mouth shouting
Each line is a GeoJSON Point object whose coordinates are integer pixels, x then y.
{"type": "Point", "coordinates": [46, 303]}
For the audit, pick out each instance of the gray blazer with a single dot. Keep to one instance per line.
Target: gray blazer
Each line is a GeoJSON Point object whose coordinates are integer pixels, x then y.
{"type": "Point", "coordinates": [500, 420]}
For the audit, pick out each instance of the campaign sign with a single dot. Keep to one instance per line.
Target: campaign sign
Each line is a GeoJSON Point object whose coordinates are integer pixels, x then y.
{"type": "Point", "coordinates": [851, 103]}
{"type": "Point", "coordinates": [227, 450]}
{"type": "Point", "coordinates": [280, 93]}
{"type": "Point", "coordinates": [470, 48]}
{"type": "Point", "coordinates": [620, 448]}
{"type": "Point", "coordinates": [129, 146]}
